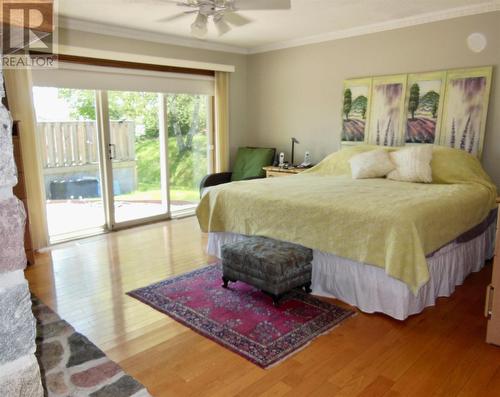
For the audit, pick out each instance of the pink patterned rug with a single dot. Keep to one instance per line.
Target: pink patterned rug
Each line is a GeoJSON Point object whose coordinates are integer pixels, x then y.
{"type": "Point", "coordinates": [242, 318]}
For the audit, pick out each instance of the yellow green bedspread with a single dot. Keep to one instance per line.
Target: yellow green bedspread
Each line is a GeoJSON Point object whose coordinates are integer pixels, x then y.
{"type": "Point", "coordinates": [389, 224]}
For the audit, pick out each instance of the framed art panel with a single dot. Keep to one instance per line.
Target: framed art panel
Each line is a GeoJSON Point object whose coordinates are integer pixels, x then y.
{"type": "Point", "coordinates": [355, 109]}
{"type": "Point", "coordinates": [424, 106]}
{"type": "Point", "coordinates": [465, 109]}
{"type": "Point", "coordinates": [386, 124]}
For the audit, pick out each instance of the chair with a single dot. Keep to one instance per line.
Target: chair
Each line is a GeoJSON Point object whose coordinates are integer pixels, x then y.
{"type": "Point", "coordinates": [248, 165]}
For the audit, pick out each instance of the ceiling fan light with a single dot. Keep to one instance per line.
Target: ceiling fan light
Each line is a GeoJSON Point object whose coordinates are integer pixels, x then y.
{"type": "Point", "coordinates": [199, 26]}
{"type": "Point", "coordinates": [199, 32]}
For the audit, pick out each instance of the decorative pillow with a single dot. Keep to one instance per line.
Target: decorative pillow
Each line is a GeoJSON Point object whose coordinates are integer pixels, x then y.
{"type": "Point", "coordinates": [372, 164]}
{"type": "Point", "coordinates": [412, 164]}
{"type": "Point", "coordinates": [249, 162]}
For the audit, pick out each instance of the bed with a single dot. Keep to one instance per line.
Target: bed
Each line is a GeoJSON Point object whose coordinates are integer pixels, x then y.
{"type": "Point", "coordinates": [381, 245]}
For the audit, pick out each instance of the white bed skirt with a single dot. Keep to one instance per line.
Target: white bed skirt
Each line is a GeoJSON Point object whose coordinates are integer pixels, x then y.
{"type": "Point", "coordinates": [371, 290]}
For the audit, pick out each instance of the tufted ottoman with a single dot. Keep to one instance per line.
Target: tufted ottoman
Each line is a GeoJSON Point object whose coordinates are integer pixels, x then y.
{"type": "Point", "coordinates": [273, 266]}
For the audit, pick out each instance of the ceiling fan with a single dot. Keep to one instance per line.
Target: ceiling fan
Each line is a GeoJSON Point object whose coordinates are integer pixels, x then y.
{"type": "Point", "coordinates": [223, 13]}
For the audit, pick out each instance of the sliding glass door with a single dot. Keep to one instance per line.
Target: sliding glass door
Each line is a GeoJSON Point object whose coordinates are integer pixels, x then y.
{"type": "Point", "coordinates": [70, 159]}
{"type": "Point", "coordinates": [136, 154]}
{"type": "Point", "coordinates": [118, 158]}
{"type": "Point", "coordinates": [189, 148]}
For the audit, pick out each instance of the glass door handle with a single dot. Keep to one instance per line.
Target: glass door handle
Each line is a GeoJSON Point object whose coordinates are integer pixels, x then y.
{"type": "Point", "coordinates": [112, 151]}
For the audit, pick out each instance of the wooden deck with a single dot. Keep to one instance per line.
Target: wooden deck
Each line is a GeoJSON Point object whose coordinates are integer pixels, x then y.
{"type": "Point", "coordinates": [439, 352]}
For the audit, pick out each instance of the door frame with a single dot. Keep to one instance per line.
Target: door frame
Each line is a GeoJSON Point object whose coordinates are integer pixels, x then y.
{"type": "Point", "coordinates": [103, 135]}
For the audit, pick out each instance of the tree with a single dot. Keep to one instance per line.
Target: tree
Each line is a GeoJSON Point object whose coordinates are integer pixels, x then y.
{"type": "Point", "coordinates": [141, 107]}
{"type": "Point", "coordinates": [347, 102]}
{"type": "Point", "coordinates": [81, 102]}
{"type": "Point", "coordinates": [414, 99]}
{"type": "Point", "coordinates": [363, 112]}
{"type": "Point", "coordinates": [186, 114]}
{"type": "Point", "coordinates": [435, 108]}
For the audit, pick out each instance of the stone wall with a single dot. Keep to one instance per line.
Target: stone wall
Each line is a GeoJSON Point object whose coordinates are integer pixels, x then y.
{"type": "Point", "coordinates": [19, 370]}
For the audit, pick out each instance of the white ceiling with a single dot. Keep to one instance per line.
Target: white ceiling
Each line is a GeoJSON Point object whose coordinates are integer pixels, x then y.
{"type": "Point", "coordinates": [307, 21]}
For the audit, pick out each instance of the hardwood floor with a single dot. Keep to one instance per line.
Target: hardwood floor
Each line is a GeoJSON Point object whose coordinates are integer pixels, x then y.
{"type": "Point", "coordinates": [439, 352]}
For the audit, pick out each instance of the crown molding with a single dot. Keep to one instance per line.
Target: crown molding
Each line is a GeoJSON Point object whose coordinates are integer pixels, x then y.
{"type": "Point", "coordinates": [394, 24]}
{"type": "Point", "coordinates": [130, 33]}
{"type": "Point", "coordinates": [121, 31]}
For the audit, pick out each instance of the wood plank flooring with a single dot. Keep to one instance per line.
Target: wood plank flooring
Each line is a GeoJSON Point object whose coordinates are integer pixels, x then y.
{"type": "Point", "coordinates": [440, 352]}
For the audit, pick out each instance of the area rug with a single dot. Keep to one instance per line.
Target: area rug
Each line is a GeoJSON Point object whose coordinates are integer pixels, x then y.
{"type": "Point", "coordinates": [242, 318]}
{"type": "Point", "coordinates": [73, 366]}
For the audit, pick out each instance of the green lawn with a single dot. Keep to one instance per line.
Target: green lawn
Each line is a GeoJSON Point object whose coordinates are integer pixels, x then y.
{"type": "Point", "coordinates": [186, 170]}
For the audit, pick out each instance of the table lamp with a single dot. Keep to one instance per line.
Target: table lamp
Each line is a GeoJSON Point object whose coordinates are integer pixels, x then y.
{"type": "Point", "coordinates": [294, 141]}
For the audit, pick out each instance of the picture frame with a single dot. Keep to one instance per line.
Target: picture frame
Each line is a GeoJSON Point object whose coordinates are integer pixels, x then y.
{"type": "Point", "coordinates": [465, 109]}
{"type": "Point", "coordinates": [387, 110]}
{"type": "Point", "coordinates": [355, 115]}
{"type": "Point", "coordinates": [425, 96]}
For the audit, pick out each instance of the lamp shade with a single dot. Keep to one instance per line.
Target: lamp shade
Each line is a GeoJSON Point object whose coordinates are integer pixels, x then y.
{"type": "Point", "coordinates": [199, 26]}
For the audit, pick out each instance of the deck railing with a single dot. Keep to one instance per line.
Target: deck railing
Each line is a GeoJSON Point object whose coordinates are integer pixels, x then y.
{"type": "Point", "coordinates": [75, 143]}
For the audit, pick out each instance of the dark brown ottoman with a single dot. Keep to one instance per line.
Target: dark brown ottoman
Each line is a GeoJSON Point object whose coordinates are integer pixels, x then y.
{"type": "Point", "coordinates": [275, 267]}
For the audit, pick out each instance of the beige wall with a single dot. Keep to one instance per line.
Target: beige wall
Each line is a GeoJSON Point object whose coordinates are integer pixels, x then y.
{"type": "Point", "coordinates": [238, 80]}
{"type": "Point", "coordinates": [297, 91]}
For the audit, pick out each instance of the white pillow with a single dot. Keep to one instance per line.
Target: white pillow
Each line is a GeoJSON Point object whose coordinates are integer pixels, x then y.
{"type": "Point", "coordinates": [372, 164]}
{"type": "Point", "coordinates": [412, 164]}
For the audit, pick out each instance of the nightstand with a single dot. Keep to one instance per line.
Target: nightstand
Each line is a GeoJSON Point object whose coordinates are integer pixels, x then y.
{"type": "Point", "coordinates": [272, 171]}
{"type": "Point", "coordinates": [492, 305]}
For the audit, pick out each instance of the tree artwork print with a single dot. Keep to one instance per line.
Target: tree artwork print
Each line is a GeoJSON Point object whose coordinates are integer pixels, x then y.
{"type": "Point", "coordinates": [423, 110]}
{"type": "Point", "coordinates": [355, 110]}
{"type": "Point", "coordinates": [444, 107]}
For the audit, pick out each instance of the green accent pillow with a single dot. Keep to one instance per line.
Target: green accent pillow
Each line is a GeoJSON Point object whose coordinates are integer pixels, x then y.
{"type": "Point", "coordinates": [249, 162]}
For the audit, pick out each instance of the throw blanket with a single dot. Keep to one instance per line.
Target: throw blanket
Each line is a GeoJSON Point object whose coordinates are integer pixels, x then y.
{"type": "Point", "coordinates": [389, 224]}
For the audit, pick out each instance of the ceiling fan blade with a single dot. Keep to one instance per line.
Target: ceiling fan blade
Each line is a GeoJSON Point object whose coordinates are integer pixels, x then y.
{"type": "Point", "coordinates": [262, 4]}
{"type": "Point", "coordinates": [222, 27]}
{"type": "Point", "coordinates": [236, 19]}
{"type": "Point", "coordinates": [176, 16]}
{"type": "Point", "coordinates": [180, 3]}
